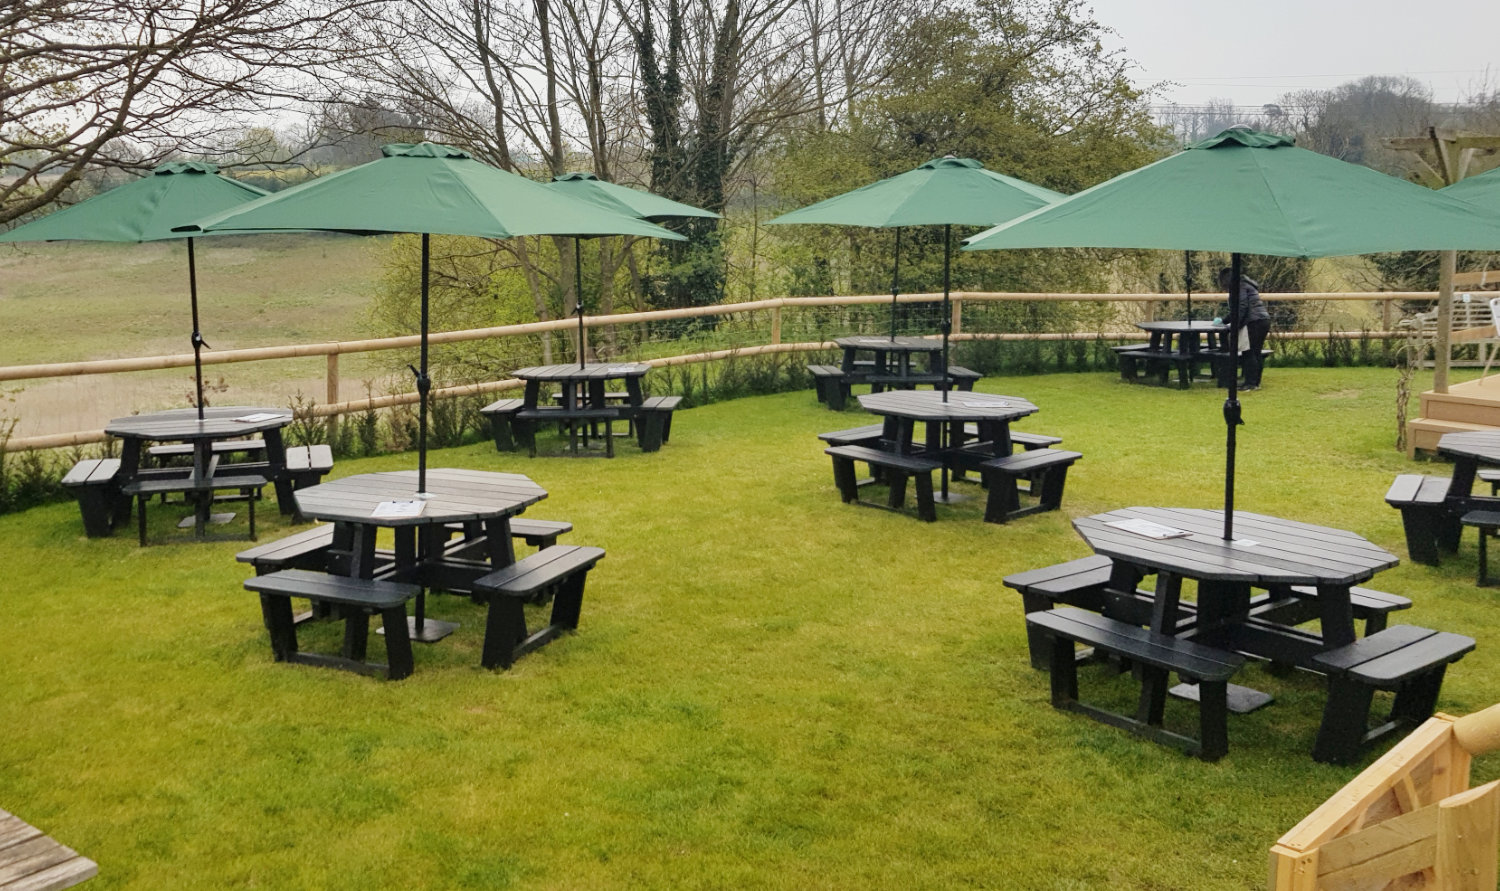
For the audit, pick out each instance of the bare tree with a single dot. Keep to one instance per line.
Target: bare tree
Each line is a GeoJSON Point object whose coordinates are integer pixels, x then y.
{"type": "Point", "coordinates": [128, 82]}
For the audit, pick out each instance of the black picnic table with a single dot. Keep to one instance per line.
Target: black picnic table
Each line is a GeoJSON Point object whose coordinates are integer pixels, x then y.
{"type": "Point", "coordinates": [218, 424]}
{"type": "Point", "coordinates": [1469, 452]}
{"type": "Point", "coordinates": [478, 499]}
{"type": "Point", "coordinates": [1269, 553]}
{"type": "Point", "coordinates": [891, 363]}
{"type": "Point", "coordinates": [584, 385]}
{"type": "Point", "coordinates": [1181, 336]}
{"type": "Point", "coordinates": [945, 420]}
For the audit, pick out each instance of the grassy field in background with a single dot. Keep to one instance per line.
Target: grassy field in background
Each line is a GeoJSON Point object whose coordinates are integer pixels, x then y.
{"type": "Point", "coordinates": [769, 688]}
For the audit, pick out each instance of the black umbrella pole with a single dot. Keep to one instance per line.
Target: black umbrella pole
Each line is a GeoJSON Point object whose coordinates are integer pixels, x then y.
{"type": "Point", "coordinates": [424, 384]}
{"type": "Point", "coordinates": [1232, 403]}
{"type": "Point", "coordinates": [946, 436]}
{"type": "Point", "coordinates": [895, 281]}
{"type": "Point", "coordinates": [578, 296]}
{"type": "Point", "coordinates": [197, 335]}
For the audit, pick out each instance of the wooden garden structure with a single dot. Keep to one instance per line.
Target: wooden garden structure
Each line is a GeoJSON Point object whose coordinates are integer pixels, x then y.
{"type": "Point", "coordinates": [1408, 821]}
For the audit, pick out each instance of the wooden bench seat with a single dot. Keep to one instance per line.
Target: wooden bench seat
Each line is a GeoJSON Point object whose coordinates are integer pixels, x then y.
{"type": "Point", "coordinates": [1094, 583]}
{"type": "Point", "coordinates": [538, 534]}
{"type": "Point", "coordinates": [527, 421]}
{"type": "Point", "coordinates": [1147, 361]}
{"type": "Point", "coordinates": [1403, 658]}
{"type": "Point", "coordinates": [894, 471]}
{"type": "Point", "coordinates": [1371, 606]}
{"type": "Point", "coordinates": [307, 549]}
{"type": "Point", "coordinates": [1219, 363]}
{"type": "Point", "coordinates": [961, 378]}
{"type": "Point", "coordinates": [360, 598]}
{"type": "Point", "coordinates": [305, 466]}
{"type": "Point", "coordinates": [868, 435]}
{"type": "Point", "coordinates": [501, 414]}
{"type": "Point", "coordinates": [831, 385]}
{"type": "Point", "coordinates": [248, 484]}
{"type": "Point", "coordinates": [561, 570]}
{"type": "Point", "coordinates": [1047, 471]}
{"type": "Point", "coordinates": [1424, 516]}
{"type": "Point", "coordinates": [220, 447]}
{"type": "Point", "coordinates": [1156, 655]}
{"type": "Point", "coordinates": [100, 501]}
{"type": "Point", "coordinates": [654, 421]}
{"type": "Point", "coordinates": [1029, 441]}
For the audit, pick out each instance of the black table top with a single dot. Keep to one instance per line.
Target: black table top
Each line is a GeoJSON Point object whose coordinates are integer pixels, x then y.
{"type": "Point", "coordinates": [183, 424]}
{"type": "Point", "coordinates": [928, 405]}
{"type": "Point", "coordinates": [903, 344]}
{"type": "Point", "coordinates": [1267, 550]}
{"type": "Point", "coordinates": [1482, 446]}
{"type": "Point", "coordinates": [587, 372]}
{"type": "Point", "coordinates": [1177, 326]}
{"type": "Point", "coordinates": [457, 496]}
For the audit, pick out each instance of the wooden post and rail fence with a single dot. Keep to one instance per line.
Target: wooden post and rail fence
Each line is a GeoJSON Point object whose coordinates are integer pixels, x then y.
{"type": "Point", "coordinates": [335, 406]}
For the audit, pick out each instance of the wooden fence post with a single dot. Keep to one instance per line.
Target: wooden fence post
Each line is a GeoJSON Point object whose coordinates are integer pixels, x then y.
{"type": "Point", "coordinates": [332, 395]}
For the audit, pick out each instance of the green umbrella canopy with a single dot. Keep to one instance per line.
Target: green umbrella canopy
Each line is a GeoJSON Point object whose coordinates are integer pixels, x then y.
{"type": "Point", "coordinates": [1482, 190]}
{"type": "Point", "coordinates": [430, 189]}
{"type": "Point", "coordinates": [144, 209]}
{"type": "Point", "coordinates": [1250, 192]}
{"type": "Point", "coordinates": [1244, 191]}
{"type": "Point", "coordinates": [620, 199]}
{"type": "Point", "coordinates": [944, 191]}
{"type": "Point", "coordinates": [147, 209]}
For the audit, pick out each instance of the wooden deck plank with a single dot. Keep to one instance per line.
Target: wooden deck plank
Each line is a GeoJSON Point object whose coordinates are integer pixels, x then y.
{"type": "Point", "coordinates": [32, 861]}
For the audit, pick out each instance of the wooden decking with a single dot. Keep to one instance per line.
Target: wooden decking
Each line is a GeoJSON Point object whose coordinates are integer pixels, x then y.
{"type": "Point", "coordinates": [1472, 405]}
{"type": "Point", "coordinates": [31, 861]}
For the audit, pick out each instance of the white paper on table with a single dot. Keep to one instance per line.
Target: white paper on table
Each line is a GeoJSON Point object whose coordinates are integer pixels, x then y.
{"type": "Point", "coordinates": [1148, 528]}
{"type": "Point", "coordinates": [395, 509]}
{"type": "Point", "coordinates": [986, 404]}
{"type": "Point", "coordinates": [622, 369]}
{"type": "Point", "coordinates": [258, 417]}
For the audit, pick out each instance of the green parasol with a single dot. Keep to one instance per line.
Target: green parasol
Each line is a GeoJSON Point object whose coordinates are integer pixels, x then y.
{"type": "Point", "coordinates": [1244, 191]}
{"type": "Point", "coordinates": [1483, 190]}
{"type": "Point", "coordinates": [433, 190]}
{"type": "Point", "coordinates": [619, 199]}
{"type": "Point", "coordinates": [146, 209]}
{"type": "Point", "coordinates": [943, 192]}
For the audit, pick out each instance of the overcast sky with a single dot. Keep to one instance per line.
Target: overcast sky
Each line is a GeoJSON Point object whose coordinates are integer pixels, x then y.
{"type": "Point", "coordinates": [1252, 52]}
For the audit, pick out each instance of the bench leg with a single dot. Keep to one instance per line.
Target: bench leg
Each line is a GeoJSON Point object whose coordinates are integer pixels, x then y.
{"type": "Point", "coordinates": [1063, 669]}
{"type": "Point", "coordinates": [1345, 716]}
{"type": "Point", "coordinates": [356, 634]}
{"type": "Point", "coordinates": [568, 602]}
{"type": "Point", "coordinates": [1004, 498]}
{"type": "Point", "coordinates": [843, 477]}
{"type": "Point", "coordinates": [1421, 536]}
{"type": "Point", "coordinates": [504, 629]}
{"type": "Point", "coordinates": [1036, 641]}
{"type": "Point", "coordinates": [277, 612]}
{"type": "Point", "coordinates": [838, 395]}
{"type": "Point", "coordinates": [500, 430]}
{"type": "Point", "coordinates": [650, 430]}
{"type": "Point", "coordinates": [1416, 700]}
{"type": "Point", "coordinates": [397, 643]}
{"type": "Point", "coordinates": [141, 514]}
{"type": "Point", "coordinates": [96, 504]}
{"type": "Point", "coordinates": [1053, 480]}
{"type": "Point", "coordinates": [897, 495]}
{"type": "Point", "coordinates": [926, 505]}
{"type": "Point", "coordinates": [1213, 719]}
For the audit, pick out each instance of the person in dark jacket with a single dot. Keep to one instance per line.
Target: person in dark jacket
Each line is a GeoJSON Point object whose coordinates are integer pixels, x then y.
{"type": "Point", "coordinates": [1257, 324]}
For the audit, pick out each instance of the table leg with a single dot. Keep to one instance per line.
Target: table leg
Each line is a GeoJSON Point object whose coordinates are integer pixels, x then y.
{"type": "Point", "coordinates": [419, 627]}
{"type": "Point", "coordinates": [1218, 603]}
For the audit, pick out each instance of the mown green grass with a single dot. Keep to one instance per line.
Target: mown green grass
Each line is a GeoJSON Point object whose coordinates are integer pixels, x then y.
{"type": "Point", "coordinates": [769, 688]}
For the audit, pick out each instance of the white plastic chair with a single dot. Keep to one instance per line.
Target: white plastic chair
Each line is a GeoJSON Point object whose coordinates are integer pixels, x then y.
{"type": "Point", "coordinates": [1490, 357]}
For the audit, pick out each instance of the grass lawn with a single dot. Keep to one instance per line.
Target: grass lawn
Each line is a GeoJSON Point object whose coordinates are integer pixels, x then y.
{"type": "Point", "coordinates": [769, 688]}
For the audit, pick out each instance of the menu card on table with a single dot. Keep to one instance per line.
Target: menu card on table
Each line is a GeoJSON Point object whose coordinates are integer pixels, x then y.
{"type": "Point", "coordinates": [1149, 529]}
{"type": "Point", "coordinates": [258, 417]}
{"type": "Point", "coordinates": [397, 509]}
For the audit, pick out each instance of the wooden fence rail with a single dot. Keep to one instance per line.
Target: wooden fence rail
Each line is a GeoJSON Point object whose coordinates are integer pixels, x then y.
{"type": "Point", "coordinates": [334, 406]}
